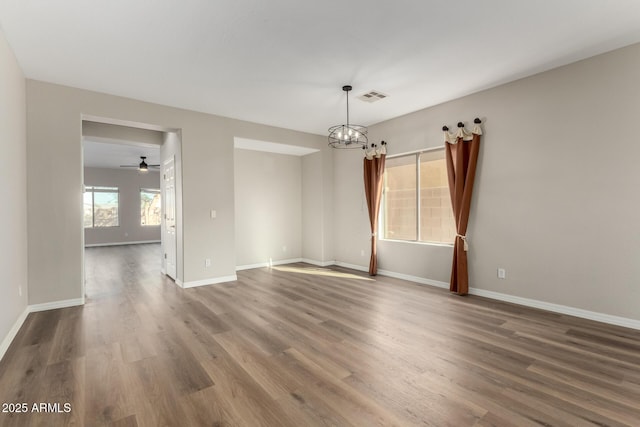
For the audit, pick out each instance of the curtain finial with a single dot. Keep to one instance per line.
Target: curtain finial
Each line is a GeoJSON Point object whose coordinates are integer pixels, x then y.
{"type": "Point", "coordinates": [445, 129]}
{"type": "Point", "coordinates": [460, 124]}
{"type": "Point", "coordinates": [477, 121]}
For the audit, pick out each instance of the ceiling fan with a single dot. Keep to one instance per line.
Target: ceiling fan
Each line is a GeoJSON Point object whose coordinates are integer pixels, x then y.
{"type": "Point", "coordinates": [143, 166]}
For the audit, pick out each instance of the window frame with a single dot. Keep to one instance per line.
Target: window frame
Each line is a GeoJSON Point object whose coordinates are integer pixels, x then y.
{"type": "Point", "coordinates": [381, 223]}
{"type": "Point", "coordinates": [100, 189]}
{"type": "Point", "coordinates": [152, 191]}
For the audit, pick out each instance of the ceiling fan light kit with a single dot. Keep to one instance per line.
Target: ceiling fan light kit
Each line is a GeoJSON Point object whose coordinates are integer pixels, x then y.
{"type": "Point", "coordinates": [143, 166]}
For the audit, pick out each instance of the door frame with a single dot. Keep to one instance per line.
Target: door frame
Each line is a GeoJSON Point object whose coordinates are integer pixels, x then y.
{"type": "Point", "coordinates": [176, 149]}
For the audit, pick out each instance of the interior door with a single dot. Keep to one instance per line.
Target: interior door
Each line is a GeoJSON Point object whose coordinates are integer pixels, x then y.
{"type": "Point", "coordinates": [170, 218]}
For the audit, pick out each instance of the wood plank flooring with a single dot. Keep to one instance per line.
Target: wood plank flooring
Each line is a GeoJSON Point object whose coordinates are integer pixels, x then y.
{"type": "Point", "coordinates": [299, 345]}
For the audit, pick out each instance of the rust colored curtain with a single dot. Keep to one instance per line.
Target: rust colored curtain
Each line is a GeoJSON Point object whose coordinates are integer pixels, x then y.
{"type": "Point", "coordinates": [462, 156]}
{"type": "Point", "coordinates": [373, 173]}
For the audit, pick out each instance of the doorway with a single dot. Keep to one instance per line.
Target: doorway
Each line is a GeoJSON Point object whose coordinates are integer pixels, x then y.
{"type": "Point", "coordinates": [125, 194]}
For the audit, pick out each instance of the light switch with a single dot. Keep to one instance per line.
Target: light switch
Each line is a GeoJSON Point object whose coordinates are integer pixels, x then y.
{"type": "Point", "coordinates": [213, 213]}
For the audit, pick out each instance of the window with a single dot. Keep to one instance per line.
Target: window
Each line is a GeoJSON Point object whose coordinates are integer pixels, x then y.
{"type": "Point", "coordinates": [150, 208]}
{"type": "Point", "coordinates": [100, 207]}
{"type": "Point", "coordinates": [400, 199]}
{"type": "Point", "coordinates": [417, 204]}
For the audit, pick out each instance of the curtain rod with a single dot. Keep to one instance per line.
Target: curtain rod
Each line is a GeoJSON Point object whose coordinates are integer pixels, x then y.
{"type": "Point", "coordinates": [461, 125]}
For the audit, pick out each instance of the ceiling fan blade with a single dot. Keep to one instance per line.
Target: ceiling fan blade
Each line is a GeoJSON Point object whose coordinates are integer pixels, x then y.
{"type": "Point", "coordinates": [129, 166]}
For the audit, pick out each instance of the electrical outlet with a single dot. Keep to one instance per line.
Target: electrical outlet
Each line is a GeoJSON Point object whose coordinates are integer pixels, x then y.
{"type": "Point", "coordinates": [20, 290]}
{"type": "Point", "coordinates": [502, 273]}
{"type": "Point", "coordinates": [207, 262]}
{"type": "Point", "coordinates": [284, 249]}
{"type": "Point", "coordinates": [361, 252]}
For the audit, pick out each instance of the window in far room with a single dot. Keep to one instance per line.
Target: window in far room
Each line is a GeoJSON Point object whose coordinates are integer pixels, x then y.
{"type": "Point", "coordinates": [416, 205]}
{"type": "Point", "coordinates": [150, 207]}
{"type": "Point", "coordinates": [100, 207]}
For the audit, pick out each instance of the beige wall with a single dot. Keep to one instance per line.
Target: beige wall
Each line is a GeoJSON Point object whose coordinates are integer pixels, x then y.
{"type": "Point", "coordinates": [352, 233]}
{"type": "Point", "coordinates": [13, 209]}
{"type": "Point", "coordinates": [54, 121]}
{"type": "Point", "coordinates": [268, 207]}
{"type": "Point", "coordinates": [129, 183]}
{"type": "Point", "coordinates": [556, 201]}
{"type": "Point", "coordinates": [317, 207]}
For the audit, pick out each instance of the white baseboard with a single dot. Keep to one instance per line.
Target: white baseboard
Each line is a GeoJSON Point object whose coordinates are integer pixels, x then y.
{"type": "Point", "coordinates": [393, 274]}
{"type": "Point", "coordinates": [527, 302]}
{"type": "Point", "coordinates": [139, 242]}
{"type": "Point", "coordinates": [416, 279]}
{"type": "Point", "coordinates": [267, 264]}
{"type": "Point", "coordinates": [205, 282]}
{"type": "Point", "coordinates": [286, 261]}
{"type": "Point", "coordinates": [56, 304]}
{"type": "Point", "coordinates": [558, 308]}
{"type": "Point", "coordinates": [8, 339]}
{"type": "Point", "coordinates": [318, 263]}
{"type": "Point", "coordinates": [351, 266]}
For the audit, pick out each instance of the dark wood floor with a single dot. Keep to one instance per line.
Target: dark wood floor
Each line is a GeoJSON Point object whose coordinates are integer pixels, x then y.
{"type": "Point", "coordinates": [299, 345]}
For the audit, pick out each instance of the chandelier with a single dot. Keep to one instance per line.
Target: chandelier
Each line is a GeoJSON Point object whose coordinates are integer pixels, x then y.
{"type": "Point", "coordinates": [348, 135]}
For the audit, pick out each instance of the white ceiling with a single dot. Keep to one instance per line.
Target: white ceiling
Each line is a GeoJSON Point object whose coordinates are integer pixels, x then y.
{"type": "Point", "coordinates": [283, 62]}
{"type": "Point", "coordinates": [102, 153]}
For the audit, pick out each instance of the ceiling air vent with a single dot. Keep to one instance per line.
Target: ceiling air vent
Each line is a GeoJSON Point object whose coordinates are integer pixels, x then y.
{"type": "Point", "coordinates": [372, 96]}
